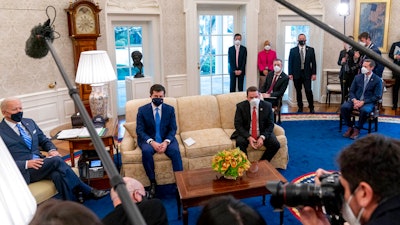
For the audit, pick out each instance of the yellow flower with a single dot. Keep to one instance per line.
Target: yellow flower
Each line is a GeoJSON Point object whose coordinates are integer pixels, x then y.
{"type": "Point", "coordinates": [231, 162]}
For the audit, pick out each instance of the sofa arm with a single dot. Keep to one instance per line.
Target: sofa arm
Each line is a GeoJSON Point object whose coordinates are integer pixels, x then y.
{"type": "Point", "coordinates": [128, 143]}
{"type": "Point", "coordinates": [278, 130]}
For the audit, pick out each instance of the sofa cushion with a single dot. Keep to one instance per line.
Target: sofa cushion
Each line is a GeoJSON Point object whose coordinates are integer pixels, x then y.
{"type": "Point", "coordinates": [130, 127]}
{"type": "Point", "coordinates": [208, 142]}
{"type": "Point", "coordinates": [42, 190]}
{"type": "Point", "coordinates": [198, 112]}
{"type": "Point", "coordinates": [227, 107]}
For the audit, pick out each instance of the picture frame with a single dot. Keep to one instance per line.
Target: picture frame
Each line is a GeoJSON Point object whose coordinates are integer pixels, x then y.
{"type": "Point", "coordinates": [372, 16]}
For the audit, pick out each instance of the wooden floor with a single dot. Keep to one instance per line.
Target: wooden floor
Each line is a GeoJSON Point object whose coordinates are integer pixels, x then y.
{"type": "Point", "coordinates": [319, 107]}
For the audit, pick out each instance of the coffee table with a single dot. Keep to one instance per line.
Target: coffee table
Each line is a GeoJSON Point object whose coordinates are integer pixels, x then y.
{"type": "Point", "coordinates": [197, 186]}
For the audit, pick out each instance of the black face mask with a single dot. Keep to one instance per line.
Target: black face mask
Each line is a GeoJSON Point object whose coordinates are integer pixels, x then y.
{"type": "Point", "coordinates": [17, 117]}
{"type": "Point", "coordinates": [302, 43]}
{"type": "Point", "coordinates": [157, 101]}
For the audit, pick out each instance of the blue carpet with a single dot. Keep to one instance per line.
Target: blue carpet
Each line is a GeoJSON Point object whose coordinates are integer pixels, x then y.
{"type": "Point", "coordinates": [312, 144]}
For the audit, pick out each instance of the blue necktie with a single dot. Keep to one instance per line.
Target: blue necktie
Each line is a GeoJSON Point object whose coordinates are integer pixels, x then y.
{"type": "Point", "coordinates": [25, 136]}
{"type": "Point", "coordinates": [158, 121]}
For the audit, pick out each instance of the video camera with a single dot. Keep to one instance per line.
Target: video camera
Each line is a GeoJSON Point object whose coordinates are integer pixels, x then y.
{"type": "Point", "coordinates": [329, 194]}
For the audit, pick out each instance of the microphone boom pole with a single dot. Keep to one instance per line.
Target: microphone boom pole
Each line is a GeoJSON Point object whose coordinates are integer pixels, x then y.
{"type": "Point", "coordinates": [116, 180]}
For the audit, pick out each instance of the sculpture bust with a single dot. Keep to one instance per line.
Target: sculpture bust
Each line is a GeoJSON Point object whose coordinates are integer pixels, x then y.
{"type": "Point", "coordinates": [137, 64]}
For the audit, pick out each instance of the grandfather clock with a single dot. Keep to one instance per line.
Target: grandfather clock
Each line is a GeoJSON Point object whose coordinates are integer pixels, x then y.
{"type": "Point", "coordinates": [84, 29]}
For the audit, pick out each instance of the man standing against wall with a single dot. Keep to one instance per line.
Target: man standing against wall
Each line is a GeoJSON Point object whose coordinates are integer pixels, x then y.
{"type": "Point", "coordinates": [237, 55]}
{"type": "Point", "coordinates": [302, 70]}
{"type": "Point", "coordinates": [394, 54]}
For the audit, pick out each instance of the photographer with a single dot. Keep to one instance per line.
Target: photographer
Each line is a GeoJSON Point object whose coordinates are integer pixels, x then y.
{"type": "Point", "coordinates": [348, 68]}
{"type": "Point", "coordinates": [371, 181]}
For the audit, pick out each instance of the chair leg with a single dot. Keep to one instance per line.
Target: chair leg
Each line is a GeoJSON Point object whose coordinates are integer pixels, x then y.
{"type": "Point", "coordinates": [340, 123]}
{"type": "Point", "coordinates": [376, 124]}
{"type": "Point", "coordinates": [369, 125]}
{"type": "Point", "coordinates": [279, 117]}
{"type": "Point", "coordinates": [326, 99]}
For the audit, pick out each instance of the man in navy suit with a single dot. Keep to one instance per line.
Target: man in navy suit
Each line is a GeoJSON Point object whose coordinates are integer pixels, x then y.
{"type": "Point", "coordinates": [394, 54]}
{"type": "Point", "coordinates": [237, 56]}
{"type": "Point", "coordinates": [254, 125]}
{"type": "Point", "coordinates": [302, 70]}
{"type": "Point", "coordinates": [275, 84]}
{"type": "Point", "coordinates": [365, 41]}
{"type": "Point", "coordinates": [156, 129]}
{"type": "Point", "coordinates": [365, 91]}
{"type": "Point", "coordinates": [23, 139]}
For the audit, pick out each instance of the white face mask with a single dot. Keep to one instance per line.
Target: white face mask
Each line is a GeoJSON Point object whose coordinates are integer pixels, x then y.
{"type": "Point", "coordinates": [254, 102]}
{"type": "Point", "coordinates": [237, 42]}
{"type": "Point", "coordinates": [267, 47]}
{"type": "Point", "coordinates": [362, 43]}
{"type": "Point", "coordinates": [277, 69]}
{"type": "Point", "coordinates": [348, 214]}
{"type": "Point", "coordinates": [364, 70]}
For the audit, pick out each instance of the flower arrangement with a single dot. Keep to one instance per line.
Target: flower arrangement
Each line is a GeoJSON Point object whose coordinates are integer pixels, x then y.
{"type": "Point", "coordinates": [231, 163]}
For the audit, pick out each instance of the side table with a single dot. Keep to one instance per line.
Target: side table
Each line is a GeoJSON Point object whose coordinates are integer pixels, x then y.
{"type": "Point", "coordinates": [86, 144]}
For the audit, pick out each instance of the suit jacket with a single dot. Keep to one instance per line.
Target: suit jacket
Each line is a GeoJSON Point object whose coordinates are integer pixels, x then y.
{"type": "Point", "coordinates": [310, 66]}
{"type": "Point", "coordinates": [241, 61]}
{"type": "Point", "coordinates": [373, 91]}
{"type": "Point", "coordinates": [152, 210]}
{"type": "Point", "coordinates": [392, 53]}
{"type": "Point", "coordinates": [280, 85]}
{"type": "Point", "coordinates": [243, 119]}
{"type": "Point", "coordinates": [146, 126]}
{"type": "Point", "coordinates": [378, 69]}
{"type": "Point", "coordinates": [17, 147]}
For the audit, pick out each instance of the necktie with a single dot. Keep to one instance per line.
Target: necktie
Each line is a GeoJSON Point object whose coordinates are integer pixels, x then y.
{"type": "Point", "coordinates": [254, 124]}
{"type": "Point", "coordinates": [271, 88]}
{"type": "Point", "coordinates": [25, 136]}
{"type": "Point", "coordinates": [158, 121]}
{"type": "Point", "coordinates": [302, 58]}
{"type": "Point", "coordinates": [365, 86]}
{"type": "Point", "coordinates": [237, 56]}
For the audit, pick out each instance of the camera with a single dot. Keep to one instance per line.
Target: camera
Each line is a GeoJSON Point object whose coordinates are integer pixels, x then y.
{"type": "Point", "coordinates": [329, 194]}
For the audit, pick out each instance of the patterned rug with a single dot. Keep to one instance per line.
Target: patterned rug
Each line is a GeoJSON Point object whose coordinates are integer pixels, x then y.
{"type": "Point", "coordinates": [329, 116]}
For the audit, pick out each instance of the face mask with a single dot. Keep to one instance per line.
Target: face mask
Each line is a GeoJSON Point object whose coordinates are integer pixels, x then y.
{"type": "Point", "coordinates": [157, 101]}
{"type": "Point", "coordinates": [237, 42]}
{"type": "Point", "coordinates": [17, 117]}
{"type": "Point", "coordinates": [277, 69]}
{"type": "Point", "coordinates": [362, 43]}
{"type": "Point", "coordinates": [267, 47]}
{"type": "Point", "coordinates": [348, 214]}
{"type": "Point", "coordinates": [302, 43]}
{"type": "Point", "coordinates": [254, 102]}
{"type": "Point", "coordinates": [364, 70]}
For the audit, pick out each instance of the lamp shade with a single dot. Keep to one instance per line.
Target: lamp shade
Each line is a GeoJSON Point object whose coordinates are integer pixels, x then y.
{"type": "Point", "coordinates": [94, 67]}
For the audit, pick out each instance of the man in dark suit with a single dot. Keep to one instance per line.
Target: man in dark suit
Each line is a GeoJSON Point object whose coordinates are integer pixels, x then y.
{"type": "Point", "coordinates": [156, 129]}
{"type": "Point", "coordinates": [254, 125]}
{"type": "Point", "coordinates": [237, 56]}
{"type": "Point", "coordinates": [275, 84]}
{"type": "Point", "coordinates": [365, 41]}
{"type": "Point", "coordinates": [365, 91]}
{"type": "Point", "coordinates": [152, 210]}
{"type": "Point", "coordinates": [23, 139]}
{"type": "Point", "coordinates": [302, 70]}
{"type": "Point", "coordinates": [394, 54]}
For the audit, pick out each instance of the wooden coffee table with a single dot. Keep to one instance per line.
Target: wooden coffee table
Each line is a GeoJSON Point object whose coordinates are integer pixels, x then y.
{"type": "Point", "coordinates": [197, 186]}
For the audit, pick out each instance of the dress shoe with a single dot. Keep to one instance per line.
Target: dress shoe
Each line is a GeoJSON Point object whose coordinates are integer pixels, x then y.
{"type": "Point", "coordinates": [356, 133]}
{"type": "Point", "coordinates": [394, 107]}
{"type": "Point", "coordinates": [96, 194]}
{"type": "Point", "coordinates": [300, 110]}
{"type": "Point", "coordinates": [348, 132]}
{"type": "Point", "coordinates": [152, 191]}
{"type": "Point", "coordinates": [312, 110]}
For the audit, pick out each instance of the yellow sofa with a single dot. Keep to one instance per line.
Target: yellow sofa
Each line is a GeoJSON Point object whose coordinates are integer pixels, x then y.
{"type": "Point", "coordinates": [208, 120]}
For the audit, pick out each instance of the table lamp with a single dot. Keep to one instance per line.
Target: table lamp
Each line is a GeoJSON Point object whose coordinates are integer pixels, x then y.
{"type": "Point", "coordinates": [95, 68]}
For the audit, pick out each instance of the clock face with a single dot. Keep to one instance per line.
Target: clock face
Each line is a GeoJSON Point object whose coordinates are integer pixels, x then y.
{"type": "Point", "coordinates": [85, 21]}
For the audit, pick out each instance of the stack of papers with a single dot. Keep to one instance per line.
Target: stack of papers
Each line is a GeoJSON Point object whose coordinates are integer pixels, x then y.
{"type": "Point", "coordinates": [79, 133]}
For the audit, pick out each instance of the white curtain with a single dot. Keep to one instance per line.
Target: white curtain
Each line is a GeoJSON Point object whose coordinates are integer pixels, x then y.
{"type": "Point", "coordinates": [17, 205]}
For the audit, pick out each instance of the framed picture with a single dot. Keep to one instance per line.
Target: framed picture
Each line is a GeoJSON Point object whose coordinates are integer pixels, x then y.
{"type": "Point", "coordinates": [372, 16]}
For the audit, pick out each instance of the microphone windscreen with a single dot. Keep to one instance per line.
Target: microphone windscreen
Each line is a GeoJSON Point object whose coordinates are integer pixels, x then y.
{"type": "Point", "coordinates": [36, 46]}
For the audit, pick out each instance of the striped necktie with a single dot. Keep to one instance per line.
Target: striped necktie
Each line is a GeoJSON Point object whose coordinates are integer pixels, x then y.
{"type": "Point", "coordinates": [25, 136]}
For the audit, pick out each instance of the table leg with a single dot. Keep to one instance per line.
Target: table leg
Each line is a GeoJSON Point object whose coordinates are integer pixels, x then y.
{"type": "Point", "coordinates": [263, 200]}
{"type": "Point", "coordinates": [185, 216]}
{"type": "Point", "coordinates": [281, 217]}
{"type": "Point", "coordinates": [71, 156]}
{"type": "Point", "coordinates": [178, 202]}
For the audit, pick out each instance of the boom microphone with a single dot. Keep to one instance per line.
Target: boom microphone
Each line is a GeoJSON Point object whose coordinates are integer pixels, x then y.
{"type": "Point", "coordinates": [36, 46]}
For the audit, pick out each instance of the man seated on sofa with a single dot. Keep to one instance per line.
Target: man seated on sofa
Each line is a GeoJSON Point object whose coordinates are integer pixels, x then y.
{"type": "Point", "coordinates": [23, 139]}
{"type": "Point", "coordinates": [275, 84]}
{"type": "Point", "coordinates": [156, 129]}
{"type": "Point", "coordinates": [152, 210]}
{"type": "Point", "coordinates": [254, 125]}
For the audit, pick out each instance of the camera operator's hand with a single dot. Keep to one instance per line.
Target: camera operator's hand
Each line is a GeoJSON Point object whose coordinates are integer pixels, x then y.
{"type": "Point", "coordinates": [312, 216]}
{"type": "Point", "coordinates": [318, 173]}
